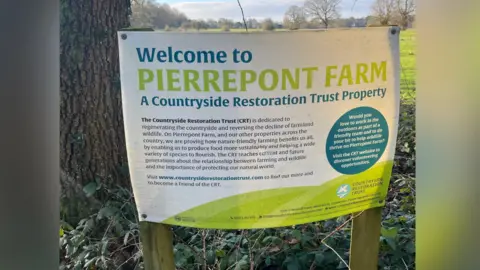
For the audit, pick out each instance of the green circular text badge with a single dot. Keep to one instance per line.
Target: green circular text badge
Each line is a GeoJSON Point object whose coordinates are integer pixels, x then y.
{"type": "Point", "coordinates": [357, 140]}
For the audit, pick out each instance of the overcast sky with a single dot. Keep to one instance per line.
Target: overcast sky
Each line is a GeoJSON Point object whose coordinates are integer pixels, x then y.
{"type": "Point", "coordinates": [259, 9]}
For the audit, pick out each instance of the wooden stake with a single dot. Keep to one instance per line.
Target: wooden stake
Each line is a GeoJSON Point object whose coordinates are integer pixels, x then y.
{"type": "Point", "coordinates": [364, 246]}
{"type": "Point", "coordinates": [157, 246]}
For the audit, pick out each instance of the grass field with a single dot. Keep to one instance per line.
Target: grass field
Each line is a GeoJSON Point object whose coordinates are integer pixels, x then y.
{"type": "Point", "coordinates": [408, 64]}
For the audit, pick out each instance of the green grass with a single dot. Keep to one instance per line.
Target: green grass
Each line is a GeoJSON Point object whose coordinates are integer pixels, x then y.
{"type": "Point", "coordinates": [408, 64]}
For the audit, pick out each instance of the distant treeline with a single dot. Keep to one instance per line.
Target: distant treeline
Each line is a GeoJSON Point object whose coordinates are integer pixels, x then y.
{"type": "Point", "coordinates": [148, 13]}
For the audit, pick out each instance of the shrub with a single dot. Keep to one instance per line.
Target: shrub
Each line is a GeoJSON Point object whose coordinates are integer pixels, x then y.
{"type": "Point", "coordinates": [106, 239]}
{"type": "Point", "coordinates": [225, 28]}
{"type": "Point", "coordinates": [268, 25]}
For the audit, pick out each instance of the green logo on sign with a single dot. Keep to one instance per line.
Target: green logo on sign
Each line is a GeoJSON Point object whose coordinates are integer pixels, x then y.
{"type": "Point", "coordinates": [343, 190]}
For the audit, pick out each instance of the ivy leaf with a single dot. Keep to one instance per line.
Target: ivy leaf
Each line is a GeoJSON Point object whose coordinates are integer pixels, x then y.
{"type": "Point", "coordinates": [319, 257]}
{"type": "Point", "coordinates": [106, 212]}
{"type": "Point", "coordinates": [233, 257]}
{"type": "Point", "coordinates": [77, 266]}
{"type": "Point", "coordinates": [98, 181]}
{"type": "Point", "coordinates": [272, 239]}
{"type": "Point", "coordinates": [341, 265]}
{"type": "Point", "coordinates": [292, 263]}
{"type": "Point", "coordinates": [224, 263]}
{"type": "Point", "coordinates": [89, 225]}
{"type": "Point", "coordinates": [306, 237]}
{"type": "Point", "coordinates": [66, 226]}
{"type": "Point", "coordinates": [220, 253]}
{"type": "Point", "coordinates": [118, 228]}
{"type": "Point", "coordinates": [90, 189]}
{"type": "Point", "coordinates": [210, 257]}
{"type": "Point", "coordinates": [243, 264]}
{"type": "Point", "coordinates": [297, 234]}
{"type": "Point", "coordinates": [390, 242]}
{"type": "Point", "coordinates": [303, 258]}
{"type": "Point", "coordinates": [230, 235]}
{"type": "Point", "coordinates": [390, 233]}
{"type": "Point", "coordinates": [267, 239]}
{"type": "Point", "coordinates": [180, 259]}
{"type": "Point", "coordinates": [410, 247]}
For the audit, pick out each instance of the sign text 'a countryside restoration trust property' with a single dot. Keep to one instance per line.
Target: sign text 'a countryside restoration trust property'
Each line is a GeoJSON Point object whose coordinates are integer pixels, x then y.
{"type": "Point", "coordinates": [238, 131]}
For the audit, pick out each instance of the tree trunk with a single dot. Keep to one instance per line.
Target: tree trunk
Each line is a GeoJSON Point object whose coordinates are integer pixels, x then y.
{"type": "Point", "coordinates": [405, 21]}
{"type": "Point", "coordinates": [92, 138]}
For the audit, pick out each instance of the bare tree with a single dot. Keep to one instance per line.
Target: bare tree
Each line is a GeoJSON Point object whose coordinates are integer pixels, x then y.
{"type": "Point", "coordinates": [198, 24]}
{"type": "Point", "coordinates": [383, 11]}
{"type": "Point", "coordinates": [322, 10]}
{"type": "Point", "coordinates": [405, 10]}
{"type": "Point", "coordinates": [253, 23]}
{"type": "Point", "coordinates": [294, 18]}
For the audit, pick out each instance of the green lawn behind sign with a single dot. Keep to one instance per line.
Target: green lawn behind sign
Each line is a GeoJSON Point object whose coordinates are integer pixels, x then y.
{"type": "Point", "coordinates": [408, 45]}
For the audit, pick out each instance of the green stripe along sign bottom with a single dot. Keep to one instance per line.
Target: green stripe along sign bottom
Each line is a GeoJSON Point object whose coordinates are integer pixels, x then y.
{"type": "Point", "coordinates": [295, 205]}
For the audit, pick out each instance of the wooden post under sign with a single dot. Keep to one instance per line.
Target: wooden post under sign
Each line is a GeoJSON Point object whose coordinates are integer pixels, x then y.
{"type": "Point", "coordinates": [365, 241]}
{"type": "Point", "coordinates": [157, 246]}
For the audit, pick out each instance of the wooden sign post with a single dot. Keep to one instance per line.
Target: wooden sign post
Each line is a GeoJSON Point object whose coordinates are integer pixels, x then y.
{"type": "Point", "coordinates": [157, 246]}
{"type": "Point", "coordinates": [364, 243]}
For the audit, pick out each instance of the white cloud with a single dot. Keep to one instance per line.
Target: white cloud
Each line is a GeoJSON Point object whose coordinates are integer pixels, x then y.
{"type": "Point", "coordinates": [259, 9]}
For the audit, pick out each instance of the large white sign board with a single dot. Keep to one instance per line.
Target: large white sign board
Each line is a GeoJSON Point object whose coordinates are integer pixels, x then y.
{"type": "Point", "coordinates": [236, 130]}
